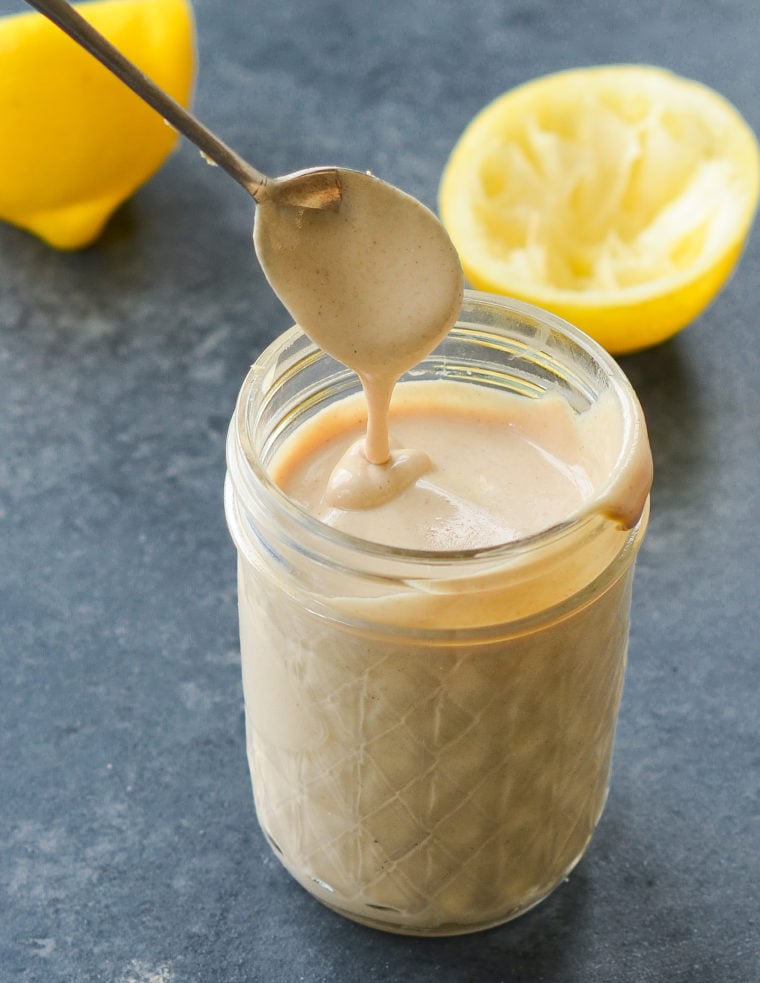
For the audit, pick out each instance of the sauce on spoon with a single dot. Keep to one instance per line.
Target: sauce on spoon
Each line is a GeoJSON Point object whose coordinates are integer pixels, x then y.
{"type": "Point", "coordinates": [376, 282]}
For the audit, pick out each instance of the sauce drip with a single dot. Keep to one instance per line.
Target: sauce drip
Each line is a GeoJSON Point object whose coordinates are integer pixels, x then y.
{"type": "Point", "coordinates": [376, 283]}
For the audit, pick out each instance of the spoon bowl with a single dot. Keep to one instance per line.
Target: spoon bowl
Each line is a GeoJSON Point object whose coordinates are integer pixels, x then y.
{"type": "Point", "coordinates": [376, 283]}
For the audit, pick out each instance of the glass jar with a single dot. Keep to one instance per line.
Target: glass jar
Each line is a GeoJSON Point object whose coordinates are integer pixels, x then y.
{"type": "Point", "coordinates": [430, 734]}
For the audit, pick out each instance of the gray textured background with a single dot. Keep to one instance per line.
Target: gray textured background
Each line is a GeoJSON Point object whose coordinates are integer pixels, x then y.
{"type": "Point", "coordinates": [129, 851]}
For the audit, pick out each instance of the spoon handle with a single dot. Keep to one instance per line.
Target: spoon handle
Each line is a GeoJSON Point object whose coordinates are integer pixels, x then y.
{"type": "Point", "coordinates": [72, 23]}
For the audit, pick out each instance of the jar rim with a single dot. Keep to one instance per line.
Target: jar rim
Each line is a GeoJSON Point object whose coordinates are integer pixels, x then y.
{"type": "Point", "coordinates": [243, 456]}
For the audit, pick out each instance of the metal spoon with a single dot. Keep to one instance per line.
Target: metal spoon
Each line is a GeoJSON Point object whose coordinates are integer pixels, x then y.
{"type": "Point", "coordinates": [312, 188]}
{"type": "Point", "coordinates": [368, 272]}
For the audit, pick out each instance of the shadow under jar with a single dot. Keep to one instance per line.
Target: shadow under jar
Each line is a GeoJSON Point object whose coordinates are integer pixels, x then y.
{"type": "Point", "coordinates": [430, 733]}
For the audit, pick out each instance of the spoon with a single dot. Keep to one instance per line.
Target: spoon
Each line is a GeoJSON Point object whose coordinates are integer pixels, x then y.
{"type": "Point", "coordinates": [312, 188]}
{"type": "Point", "coordinates": [367, 271]}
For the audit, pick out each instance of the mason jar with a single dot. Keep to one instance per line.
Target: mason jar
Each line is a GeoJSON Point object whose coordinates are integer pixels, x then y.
{"type": "Point", "coordinates": [430, 734]}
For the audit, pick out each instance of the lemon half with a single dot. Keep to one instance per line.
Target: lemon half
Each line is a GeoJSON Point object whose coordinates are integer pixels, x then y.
{"type": "Point", "coordinates": [76, 141]}
{"type": "Point", "coordinates": [619, 197]}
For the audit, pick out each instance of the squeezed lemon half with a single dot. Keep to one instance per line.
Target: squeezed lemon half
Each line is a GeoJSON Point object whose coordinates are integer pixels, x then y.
{"type": "Point", "coordinates": [76, 141]}
{"type": "Point", "coordinates": [619, 197]}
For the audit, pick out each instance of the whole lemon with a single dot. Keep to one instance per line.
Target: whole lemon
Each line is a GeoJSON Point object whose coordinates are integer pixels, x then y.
{"type": "Point", "coordinates": [76, 141]}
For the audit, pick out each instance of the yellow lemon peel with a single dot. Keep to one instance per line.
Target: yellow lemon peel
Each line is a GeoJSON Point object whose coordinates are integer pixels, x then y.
{"type": "Point", "coordinates": [77, 141]}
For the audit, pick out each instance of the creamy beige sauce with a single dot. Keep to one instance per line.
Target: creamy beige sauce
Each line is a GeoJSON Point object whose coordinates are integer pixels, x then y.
{"type": "Point", "coordinates": [443, 784]}
{"type": "Point", "coordinates": [434, 783]}
{"type": "Point", "coordinates": [427, 787]}
{"type": "Point", "coordinates": [498, 467]}
{"type": "Point", "coordinates": [376, 282]}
